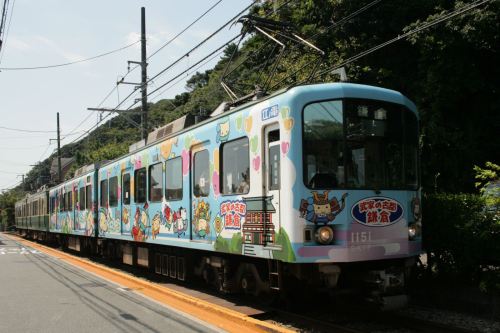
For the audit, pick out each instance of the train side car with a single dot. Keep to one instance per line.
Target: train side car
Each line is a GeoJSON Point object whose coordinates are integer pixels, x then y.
{"type": "Point", "coordinates": [317, 182]}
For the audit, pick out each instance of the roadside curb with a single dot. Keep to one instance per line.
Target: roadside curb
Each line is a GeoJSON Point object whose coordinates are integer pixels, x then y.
{"type": "Point", "coordinates": [179, 296]}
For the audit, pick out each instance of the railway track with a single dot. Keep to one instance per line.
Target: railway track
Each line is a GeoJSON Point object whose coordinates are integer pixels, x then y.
{"type": "Point", "coordinates": [315, 319]}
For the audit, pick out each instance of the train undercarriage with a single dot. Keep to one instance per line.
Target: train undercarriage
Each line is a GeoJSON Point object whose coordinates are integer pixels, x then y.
{"type": "Point", "coordinates": [380, 283]}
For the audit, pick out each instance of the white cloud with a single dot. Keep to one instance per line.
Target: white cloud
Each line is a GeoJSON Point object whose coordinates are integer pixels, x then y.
{"type": "Point", "coordinates": [17, 44]}
{"type": "Point", "coordinates": [68, 55]}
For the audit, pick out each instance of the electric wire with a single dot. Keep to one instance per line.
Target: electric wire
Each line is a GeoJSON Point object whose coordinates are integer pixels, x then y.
{"type": "Point", "coordinates": [176, 36]}
{"type": "Point", "coordinates": [170, 66]}
{"type": "Point", "coordinates": [201, 43]}
{"type": "Point", "coordinates": [46, 149]}
{"type": "Point", "coordinates": [72, 62]}
{"type": "Point", "coordinates": [424, 26]}
{"type": "Point", "coordinates": [180, 80]}
{"type": "Point", "coordinates": [22, 148]}
{"type": "Point", "coordinates": [10, 187]}
{"type": "Point", "coordinates": [2, 21]}
{"type": "Point", "coordinates": [25, 130]}
{"type": "Point", "coordinates": [4, 41]}
{"type": "Point", "coordinates": [186, 54]}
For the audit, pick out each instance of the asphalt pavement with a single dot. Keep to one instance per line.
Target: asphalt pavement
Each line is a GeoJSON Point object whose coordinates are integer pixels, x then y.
{"type": "Point", "coordinates": [39, 293]}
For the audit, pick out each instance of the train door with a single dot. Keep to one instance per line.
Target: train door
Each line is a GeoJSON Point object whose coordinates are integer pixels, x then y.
{"type": "Point", "coordinates": [74, 200]}
{"type": "Point", "coordinates": [199, 228]}
{"type": "Point", "coordinates": [272, 182]}
{"type": "Point", "coordinates": [125, 203]}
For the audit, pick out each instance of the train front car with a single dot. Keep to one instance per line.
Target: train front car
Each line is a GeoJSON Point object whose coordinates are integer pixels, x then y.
{"type": "Point", "coordinates": [354, 166]}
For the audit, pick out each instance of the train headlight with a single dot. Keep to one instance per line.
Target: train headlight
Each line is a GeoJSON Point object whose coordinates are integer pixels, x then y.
{"type": "Point", "coordinates": [414, 230]}
{"type": "Point", "coordinates": [324, 235]}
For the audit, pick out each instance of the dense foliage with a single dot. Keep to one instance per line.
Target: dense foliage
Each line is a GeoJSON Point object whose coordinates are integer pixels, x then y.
{"type": "Point", "coordinates": [461, 240]}
{"type": "Point", "coordinates": [450, 71]}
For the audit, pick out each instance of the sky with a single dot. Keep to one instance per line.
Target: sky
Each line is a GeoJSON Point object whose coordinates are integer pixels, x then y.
{"type": "Point", "coordinates": [54, 32]}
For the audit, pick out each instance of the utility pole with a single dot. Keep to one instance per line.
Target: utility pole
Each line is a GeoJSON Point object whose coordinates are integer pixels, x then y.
{"type": "Point", "coordinates": [59, 150]}
{"type": "Point", "coordinates": [143, 85]}
{"type": "Point", "coordinates": [144, 75]}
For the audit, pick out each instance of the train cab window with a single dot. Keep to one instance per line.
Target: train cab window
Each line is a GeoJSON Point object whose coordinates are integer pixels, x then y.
{"type": "Point", "coordinates": [381, 145]}
{"type": "Point", "coordinates": [156, 182]}
{"type": "Point", "coordinates": [173, 179]}
{"type": "Point", "coordinates": [126, 188]}
{"type": "Point", "coordinates": [201, 181]}
{"type": "Point", "coordinates": [323, 145]}
{"type": "Point", "coordinates": [81, 198]}
{"type": "Point", "coordinates": [88, 195]}
{"type": "Point", "coordinates": [113, 191]}
{"type": "Point", "coordinates": [104, 193]}
{"type": "Point", "coordinates": [140, 185]}
{"type": "Point", "coordinates": [235, 167]}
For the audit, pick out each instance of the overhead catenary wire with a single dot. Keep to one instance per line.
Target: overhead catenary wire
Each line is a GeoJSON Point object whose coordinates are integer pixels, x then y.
{"type": "Point", "coordinates": [186, 54]}
{"type": "Point", "coordinates": [170, 66]}
{"type": "Point", "coordinates": [464, 9]}
{"type": "Point", "coordinates": [201, 43]}
{"type": "Point", "coordinates": [175, 37]}
{"type": "Point", "coordinates": [71, 62]}
{"type": "Point", "coordinates": [181, 79]}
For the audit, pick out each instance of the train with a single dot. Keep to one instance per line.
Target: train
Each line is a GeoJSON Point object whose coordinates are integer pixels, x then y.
{"type": "Point", "coordinates": [314, 186]}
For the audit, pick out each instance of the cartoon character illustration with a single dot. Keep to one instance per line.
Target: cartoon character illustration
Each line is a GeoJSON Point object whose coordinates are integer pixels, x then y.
{"type": "Point", "coordinates": [68, 224]}
{"type": "Point", "coordinates": [223, 130]}
{"type": "Point", "coordinates": [202, 219]}
{"type": "Point", "coordinates": [125, 215]}
{"type": "Point", "coordinates": [65, 227]}
{"type": "Point", "coordinates": [168, 216]}
{"type": "Point", "coordinates": [155, 225]}
{"type": "Point", "coordinates": [320, 209]}
{"type": "Point", "coordinates": [103, 221]}
{"type": "Point", "coordinates": [180, 225]}
{"type": "Point", "coordinates": [89, 228]}
{"type": "Point", "coordinates": [81, 220]}
{"type": "Point", "coordinates": [141, 224]}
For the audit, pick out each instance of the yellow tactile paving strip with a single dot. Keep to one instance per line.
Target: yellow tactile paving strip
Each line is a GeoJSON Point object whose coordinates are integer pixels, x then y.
{"type": "Point", "coordinates": [216, 315]}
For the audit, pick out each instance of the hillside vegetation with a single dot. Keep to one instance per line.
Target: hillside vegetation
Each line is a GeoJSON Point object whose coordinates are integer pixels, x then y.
{"type": "Point", "coordinates": [450, 71]}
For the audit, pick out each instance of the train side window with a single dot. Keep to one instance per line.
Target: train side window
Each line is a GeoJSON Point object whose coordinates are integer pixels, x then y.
{"type": "Point", "coordinates": [235, 167]}
{"type": "Point", "coordinates": [140, 185]}
{"type": "Point", "coordinates": [104, 193]}
{"type": "Point", "coordinates": [65, 202]}
{"type": "Point", "coordinates": [113, 191]}
{"type": "Point", "coordinates": [69, 206]}
{"type": "Point", "coordinates": [173, 179]}
{"type": "Point", "coordinates": [88, 194]}
{"type": "Point", "coordinates": [81, 198]}
{"type": "Point", "coordinates": [156, 182]}
{"type": "Point", "coordinates": [201, 166]}
{"type": "Point", "coordinates": [126, 189]}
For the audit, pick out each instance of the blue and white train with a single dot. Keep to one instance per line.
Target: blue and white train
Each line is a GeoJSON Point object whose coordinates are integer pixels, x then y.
{"type": "Point", "coordinates": [316, 184]}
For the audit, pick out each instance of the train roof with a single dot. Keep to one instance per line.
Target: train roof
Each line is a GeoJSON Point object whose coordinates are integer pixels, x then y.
{"type": "Point", "coordinates": [312, 91]}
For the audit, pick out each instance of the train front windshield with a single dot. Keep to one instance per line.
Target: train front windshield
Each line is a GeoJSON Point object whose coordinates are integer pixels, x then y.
{"type": "Point", "coordinates": [357, 143]}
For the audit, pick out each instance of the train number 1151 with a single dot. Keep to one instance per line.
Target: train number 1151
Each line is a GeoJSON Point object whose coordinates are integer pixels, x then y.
{"type": "Point", "coordinates": [361, 237]}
